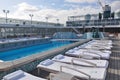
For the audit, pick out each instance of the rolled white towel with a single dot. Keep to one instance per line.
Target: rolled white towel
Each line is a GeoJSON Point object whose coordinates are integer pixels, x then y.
{"type": "Point", "coordinates": [58, 57]}
{"type": "Point", "coordinates": [14, 76]}
{"type": "Point", "coordinates": [46, 62]}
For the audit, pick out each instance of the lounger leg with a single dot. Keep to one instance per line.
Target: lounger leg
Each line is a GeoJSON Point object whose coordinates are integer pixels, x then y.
{"type": "Point", "coordinates": [38, 71]}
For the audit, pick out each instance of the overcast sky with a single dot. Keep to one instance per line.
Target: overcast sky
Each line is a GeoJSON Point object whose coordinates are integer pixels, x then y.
{"type": "Point", "coordinates": [53, 9]}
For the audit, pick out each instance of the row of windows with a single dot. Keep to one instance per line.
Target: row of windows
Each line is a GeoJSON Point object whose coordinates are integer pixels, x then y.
{"type": "Point", "coordinates": [93, 22]}
{"type": "Point", "coordinates": [25, 22]}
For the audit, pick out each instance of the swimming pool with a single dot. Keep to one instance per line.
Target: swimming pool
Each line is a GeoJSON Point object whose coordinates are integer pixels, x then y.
{"type": "Point", "coordinates": [23, 52]}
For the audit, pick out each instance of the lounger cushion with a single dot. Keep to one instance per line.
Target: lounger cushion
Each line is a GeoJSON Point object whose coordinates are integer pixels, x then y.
{"type": "Point", "coordinates": [47, 62]}
{"type": "Point", "coordinates": [14, 76]}
{"type": "Point", "coordinates": [58, 57]}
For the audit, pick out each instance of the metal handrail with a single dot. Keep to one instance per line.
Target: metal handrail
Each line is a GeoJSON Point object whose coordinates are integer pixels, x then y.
{"type": "Point", "coordinates": [77, 59]}
{"type": "Point", "coordinates": [61, 67]}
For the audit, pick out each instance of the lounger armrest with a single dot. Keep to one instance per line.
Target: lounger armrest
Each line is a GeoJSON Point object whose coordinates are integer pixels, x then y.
{"type": "Point", "coordinates": [99, 47]}
{"type": "Point", "coordinates": [89, 48]}
{"type": "Point", "coordinates": [77, 59]}
{"type": "Point", "coordinates": [85, 48]}
{"type": "Point", "coordinates": [95, 46]}
{"type": "Point", "coordinates": [88, 56]}
{"type": "Point", "coordinates": [81, 56]}
{"type": "Point", "coordinates": [102, 43]}
{"type": "Point", "coordinates": [58, 75]}
{"type": "Point", "coordinates": [93, 53]}
{"type": "Point", "coordinates": [61, 67]}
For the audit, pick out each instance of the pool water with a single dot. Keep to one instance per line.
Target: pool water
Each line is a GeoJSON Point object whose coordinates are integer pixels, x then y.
{"type": "Point", "coordinates": [22, 52]}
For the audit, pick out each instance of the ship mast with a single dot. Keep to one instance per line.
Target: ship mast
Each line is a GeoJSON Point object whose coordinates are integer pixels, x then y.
{"type": "Point", "coordinates": [100, 3]}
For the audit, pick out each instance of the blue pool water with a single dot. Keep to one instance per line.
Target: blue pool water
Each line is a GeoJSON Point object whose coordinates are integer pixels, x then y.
{"type": "Point", "coordinates": [22, 52]}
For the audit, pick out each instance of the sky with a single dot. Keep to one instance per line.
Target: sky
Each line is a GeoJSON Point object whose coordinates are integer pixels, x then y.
{"type": "Point", "coordinates": [53, 9]}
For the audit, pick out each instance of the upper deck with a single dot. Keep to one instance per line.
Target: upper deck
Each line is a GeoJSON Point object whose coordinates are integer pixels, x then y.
{"type": "Point", "coordinates": [92, 20]}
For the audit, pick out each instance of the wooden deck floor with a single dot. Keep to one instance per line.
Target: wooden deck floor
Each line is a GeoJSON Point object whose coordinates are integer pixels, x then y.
{"type": "Point", "coordinates": [113, 71]}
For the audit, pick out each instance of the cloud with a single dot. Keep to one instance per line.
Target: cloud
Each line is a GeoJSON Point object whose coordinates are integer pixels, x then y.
{"type": "Point", "coordinates": [81, 1]}
{"type": "Point", "coordinates": [72, 6]}
{"type": "Point", "coordinates": [62, 15]}
{"type": "Point", "coordinates": [115, 5]}
{"type": "Point", "coordinates": [24, 9]}
{"type": "Point", "coordinates": [27, 7]}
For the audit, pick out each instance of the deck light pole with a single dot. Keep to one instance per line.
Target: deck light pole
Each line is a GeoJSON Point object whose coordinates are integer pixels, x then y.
{"type": "Point", "coordinates": [6, 12]}
{"type": "Point", "coordinates": [57, 21]}
{"type": "Point", "coordinates": [31, 16]}
{"type": "Point", "coordinates": [46, 19]}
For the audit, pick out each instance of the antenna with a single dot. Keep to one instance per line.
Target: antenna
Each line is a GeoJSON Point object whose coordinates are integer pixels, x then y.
{"type": "Point", "coordinates": [100, 3]}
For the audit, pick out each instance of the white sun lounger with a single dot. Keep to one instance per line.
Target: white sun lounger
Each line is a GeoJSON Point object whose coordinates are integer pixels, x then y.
{"type": "Point", "coordinates": [98, 47]}
{"type": "Point", "coordinates": [78, 71]}
{"type": "Point", "coordinates": [103, 41]}
{"type": "Point", "coordinates": [21, 75]}
{"type": "Point", "coordinates": [101, 51]}
{"type": "Point", "coordinates": [92, 50]}
{"type": "Point", "coordinates": [83, 55]}
{"type": "Point", "coordinates": [82, 62]}
{"type": "Point", "coordinates": [104, 53]}
{"type": "Point", "coordinates": [103, 44]}
{"type": "Point", "coordinates": [90, 54]}
{"type": "Point", "coordinates": [95, 47]}
{"type": "Point", "coordinates": [98, 44]}
{"type": "Point", "coordinates": [97, 50]}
